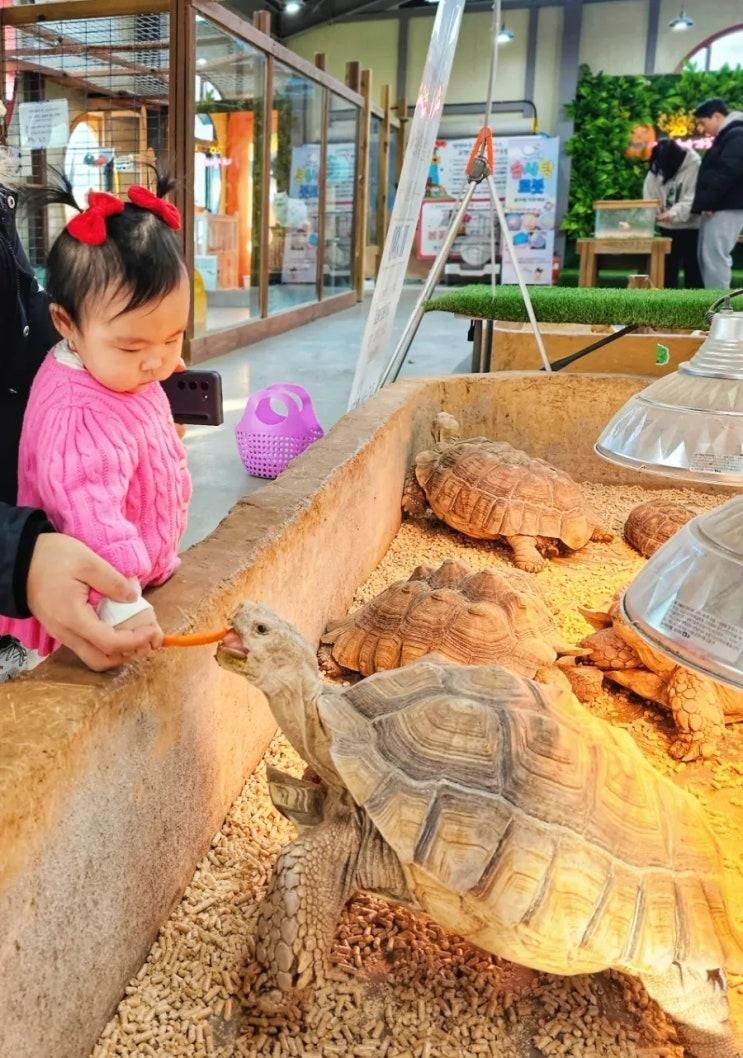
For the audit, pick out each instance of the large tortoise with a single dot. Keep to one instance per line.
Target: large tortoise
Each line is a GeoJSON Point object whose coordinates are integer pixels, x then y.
{"type": "Point", "coordinates": [501, 808]}
{"type": "Point", "coordinates": [471, 618]}
{"type": "Point", "coordinates": [650, 524]}
{"type": "Point", "coordinates": [491, 491]}
{"type": "Point", "coordinates": [700, 706]}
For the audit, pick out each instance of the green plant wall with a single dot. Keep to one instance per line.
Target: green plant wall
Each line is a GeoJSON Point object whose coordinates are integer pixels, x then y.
{"type": "Point", "coordinates": [605, 110]}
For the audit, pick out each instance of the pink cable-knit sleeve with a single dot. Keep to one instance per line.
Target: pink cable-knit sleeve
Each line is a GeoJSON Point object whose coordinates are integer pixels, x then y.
{"type": "Point", "coordinates": [86, 460]}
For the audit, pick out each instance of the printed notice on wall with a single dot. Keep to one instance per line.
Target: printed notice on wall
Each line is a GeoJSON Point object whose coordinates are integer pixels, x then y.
{"type": "Point", "coordinates": [399, 242]}
{"type": "Point", "coordinates": [44, 124]}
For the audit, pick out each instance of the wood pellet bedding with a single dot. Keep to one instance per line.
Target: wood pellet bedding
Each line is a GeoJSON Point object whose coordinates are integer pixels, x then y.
{"type": "Point", "coordinates": [400, 986]}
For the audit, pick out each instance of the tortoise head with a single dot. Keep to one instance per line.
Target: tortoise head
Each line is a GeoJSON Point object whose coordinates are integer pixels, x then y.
{"type": "Point", "coordinates": [275, 659]}
{"type": "Point", "coordinates": [445, 428]}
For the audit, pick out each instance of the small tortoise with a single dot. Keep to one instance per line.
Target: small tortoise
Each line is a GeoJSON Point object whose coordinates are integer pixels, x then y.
{"type": "Point", "coordinates": [701, 707]}
{"type": "Point", "coordinates": [503, 810]}
{"type": "Point", "coordinates": [471, 618]}
{"type": "Point", "coordinates": [649, 526]}
{"type": "Point", "coordinates": [490, 491]}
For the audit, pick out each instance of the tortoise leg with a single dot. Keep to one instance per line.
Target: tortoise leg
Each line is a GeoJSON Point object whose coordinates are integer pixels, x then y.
{"type": "Point", "coordinates": [609, 651]}
{"type": "Point", "coordinates": [697, 1000]}
{"type": "Point", "coordinates": [327, 662]}
{"type": "Point", "coordinates": [525, 554]}
{"type": "Point", "coordinates": [414, 502]}
{"type": "Point", "coordinates": [297, 919]}
{"type": "Point", "coordinates": [698, 714]}
{"type": "Point", "coordinates": [601, 535]}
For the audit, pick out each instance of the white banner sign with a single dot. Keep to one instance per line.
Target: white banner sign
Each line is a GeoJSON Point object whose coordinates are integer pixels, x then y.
{"type": "Point", "coordinates": [404, 220]}
{"type": "Point", "coordinates": [44, 124]}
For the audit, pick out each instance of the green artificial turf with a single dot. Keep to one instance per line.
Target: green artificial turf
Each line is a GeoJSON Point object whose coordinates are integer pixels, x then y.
{"type": "Point", "coordinates": [677, 309]}
{"type": "Point", "coordinates": [617, 277]}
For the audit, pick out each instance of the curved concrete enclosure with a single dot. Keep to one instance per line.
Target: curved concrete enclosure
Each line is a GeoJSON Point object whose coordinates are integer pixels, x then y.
{"type": "Point", "coordinates": [111, 786]}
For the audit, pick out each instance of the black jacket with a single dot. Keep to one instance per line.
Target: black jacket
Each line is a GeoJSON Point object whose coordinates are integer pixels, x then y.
{"type": "Point", "coordinates": [720, 181]}
{"type": "Point", "coordinates": [26, 335]}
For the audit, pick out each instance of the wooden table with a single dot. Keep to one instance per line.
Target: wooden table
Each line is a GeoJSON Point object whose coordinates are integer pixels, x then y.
{"type": "Point", "coordinates": [655, 248]}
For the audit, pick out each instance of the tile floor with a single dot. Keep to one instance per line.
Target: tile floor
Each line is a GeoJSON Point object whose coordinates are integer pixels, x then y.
{"type": "Point", "coordinates": [320, 356]}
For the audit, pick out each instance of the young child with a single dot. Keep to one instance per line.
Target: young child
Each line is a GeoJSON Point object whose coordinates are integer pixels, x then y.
{"type": "Point", "coordinates": [99, 451]}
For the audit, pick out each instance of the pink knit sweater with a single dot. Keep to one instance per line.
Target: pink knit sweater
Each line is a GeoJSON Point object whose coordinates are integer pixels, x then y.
{"type": "Point", "coordinates": [109, 469]}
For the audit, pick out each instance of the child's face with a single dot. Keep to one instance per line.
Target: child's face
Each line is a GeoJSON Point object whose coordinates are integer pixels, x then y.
{"type": "Point", "coordinates": [128, 352]}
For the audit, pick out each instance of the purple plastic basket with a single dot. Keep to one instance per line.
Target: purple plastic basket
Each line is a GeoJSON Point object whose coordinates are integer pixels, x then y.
{"type": "Point", "coordinates": [268, 440]}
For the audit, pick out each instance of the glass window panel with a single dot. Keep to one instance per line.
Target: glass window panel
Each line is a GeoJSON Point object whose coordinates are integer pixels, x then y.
{"type": "Point", "coordinates": [726, 51]}
{"type": "Point", "coordinates": [227, 188]}
{"type": "Point", "coordinates": [375, 150]}
{"type": "Point", "coordinates": [296, 124]}
{"type": "Point", "coordinates": [341, 175]}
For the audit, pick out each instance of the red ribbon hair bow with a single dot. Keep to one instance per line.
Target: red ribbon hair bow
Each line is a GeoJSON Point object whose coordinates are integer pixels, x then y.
{"type": "Point", "coordinates": [145, 199]}
{"type": "Point", "coordinates": [90, 225]}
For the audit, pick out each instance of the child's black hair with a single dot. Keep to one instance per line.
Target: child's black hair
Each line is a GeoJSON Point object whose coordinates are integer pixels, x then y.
{"type": "Point", "coordinates": [141, 255]}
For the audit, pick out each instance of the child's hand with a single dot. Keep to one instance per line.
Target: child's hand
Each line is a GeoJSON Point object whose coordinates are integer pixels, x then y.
{"type": "Point", "coordinates": [180, 429]}
{"type": "Point", "coordinates": [145, 621]}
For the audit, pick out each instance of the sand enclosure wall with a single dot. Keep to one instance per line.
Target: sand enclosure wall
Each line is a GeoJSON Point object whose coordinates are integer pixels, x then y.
{"type": "Point", "coordinates": [111, 786]}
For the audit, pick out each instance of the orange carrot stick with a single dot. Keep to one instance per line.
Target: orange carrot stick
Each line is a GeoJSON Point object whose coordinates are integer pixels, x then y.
{"type": "Point", "coordinates": [195, 639]}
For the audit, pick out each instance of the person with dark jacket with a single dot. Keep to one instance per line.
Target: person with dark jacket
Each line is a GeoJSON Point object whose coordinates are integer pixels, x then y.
{"type": "Point", "coordinates": [43, 573]}
{"type": "Point", "coordinates": [719, 194]}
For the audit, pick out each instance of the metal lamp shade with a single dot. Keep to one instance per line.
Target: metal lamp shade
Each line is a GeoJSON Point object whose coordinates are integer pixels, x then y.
{"type": "Point", "coordinates": [688, 600]}
{"type": "Point", "coordinates": [688, 425]}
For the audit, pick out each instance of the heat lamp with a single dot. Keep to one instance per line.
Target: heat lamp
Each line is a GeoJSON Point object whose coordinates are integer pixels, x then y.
{"type": "Point", "coordinates": [688, 599]}
{"type": "Point", "coordinates": [688, 425]}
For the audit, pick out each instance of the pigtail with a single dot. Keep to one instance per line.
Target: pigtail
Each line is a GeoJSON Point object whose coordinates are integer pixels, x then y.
{"type": "Point", "coordinates": [58, 192]}
{"type": "Point", "coordinates": [164, 182]}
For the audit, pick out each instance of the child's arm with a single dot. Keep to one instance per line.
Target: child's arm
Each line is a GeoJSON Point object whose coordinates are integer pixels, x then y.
{"type": "Point", "coordinates": [85, 462]}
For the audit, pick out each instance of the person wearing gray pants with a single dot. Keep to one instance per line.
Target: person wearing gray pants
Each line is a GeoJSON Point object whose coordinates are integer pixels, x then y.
{"type": "Point", "coordinates": [718, 235]}
{"type": "Point", "coordinates": [719, 194]}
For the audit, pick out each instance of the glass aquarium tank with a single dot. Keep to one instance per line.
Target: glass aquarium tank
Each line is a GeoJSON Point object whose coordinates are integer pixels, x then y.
{"type": "Point", "coordinates": [630, 219]}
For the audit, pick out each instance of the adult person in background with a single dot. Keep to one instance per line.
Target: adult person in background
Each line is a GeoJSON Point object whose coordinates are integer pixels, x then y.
{"type": "Point", "coordinates": [672, 182]}
{"type": "Point", "coordinates": [42, 573]}
{"type": "Point", "coordinates": [719, 196]}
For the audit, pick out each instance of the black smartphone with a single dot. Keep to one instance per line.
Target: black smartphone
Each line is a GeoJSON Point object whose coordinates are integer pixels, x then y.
{"type": "Point", "coordinates": [195, 397]}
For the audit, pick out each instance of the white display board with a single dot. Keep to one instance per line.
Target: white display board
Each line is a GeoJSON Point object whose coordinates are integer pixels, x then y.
{"type": "Point", "coordinates": [44, 124]}
{"type": "Point", "coordinates": [404, 221]}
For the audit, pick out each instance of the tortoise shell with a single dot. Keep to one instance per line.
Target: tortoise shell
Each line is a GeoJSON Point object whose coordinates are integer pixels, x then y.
{"type": "Point", "coordinates": [488, 489]}
{"type": "Point", "coordinates": [537, 831]}
{"type": "Point", "coordinates": [471, 618]}
{"type": "Point", "coordinates": [650, 524]}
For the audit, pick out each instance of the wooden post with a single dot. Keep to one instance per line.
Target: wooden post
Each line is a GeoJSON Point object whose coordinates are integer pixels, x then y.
{"type": "Point", "coordinates": [322, 183]}
{"type": "Point", "coordinates": [384, 171]}
{"type": "Point", "coordinates": [353, 76]}
{"type": "Point", "coordinates": [262, 22]}
{"type": "Point", "coordinates": [362, 185]}
{"type": "Point", "coordinates": [181, 107]}
{"type": "Point", "coordinates": [402, 116]}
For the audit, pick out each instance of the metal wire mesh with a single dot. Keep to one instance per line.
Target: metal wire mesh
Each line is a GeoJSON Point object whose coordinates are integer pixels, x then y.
{"type": "Point", "coordinates": [88, 96]}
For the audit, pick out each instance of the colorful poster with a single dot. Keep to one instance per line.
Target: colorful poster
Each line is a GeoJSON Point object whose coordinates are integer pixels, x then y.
{"type": "Point", "coordinates": [533, 235]}
{"type": "Point", "coordinates": [474, 236]}
{"type": "Point", "coordinates": [297, 211]}
{"type": "Point", "coordinates": [531, 179]}
{"type": "Point", "coordinates": [375, 352]}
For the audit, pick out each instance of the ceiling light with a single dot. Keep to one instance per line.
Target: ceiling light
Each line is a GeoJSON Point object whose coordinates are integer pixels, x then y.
{"type": "Point", "coordinates": [292, 7]}
{"type": "Point", "coordinates": [681, 23]}
{"type": "Point", "coordinates": [505, 36]}
{"type": "Point", "coordinates": [688, 425]}
{"type": "Point", "coordinates": [686, 601]}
